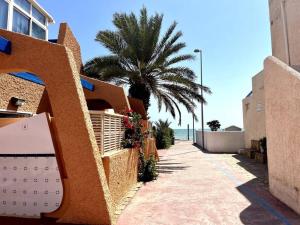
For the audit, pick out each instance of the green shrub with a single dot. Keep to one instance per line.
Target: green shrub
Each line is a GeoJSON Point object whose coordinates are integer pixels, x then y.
{"type": "Point", "coordinates": [147, 168]}
{"type": "Point", "coordinates": [163, 134]}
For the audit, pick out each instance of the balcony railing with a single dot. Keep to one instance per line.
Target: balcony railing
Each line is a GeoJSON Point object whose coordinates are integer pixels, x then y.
{"type": "Point", "coordinates": [109, 130]}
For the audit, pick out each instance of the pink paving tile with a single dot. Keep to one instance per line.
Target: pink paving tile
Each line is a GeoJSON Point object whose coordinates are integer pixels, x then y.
{"type": "Point", "coordinates": [197, 188]}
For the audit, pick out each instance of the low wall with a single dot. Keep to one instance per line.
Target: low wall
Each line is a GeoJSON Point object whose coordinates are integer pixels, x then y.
{"type": "Point", "coordinates": [150, 148]}
{"type": "Point", "coordinates": [221, 141]}
{"type": "Point", "coordinates": [121, 172]}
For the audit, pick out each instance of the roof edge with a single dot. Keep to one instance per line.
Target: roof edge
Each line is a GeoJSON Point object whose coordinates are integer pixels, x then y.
{"type": "Point", "coordinates": [39, 7]}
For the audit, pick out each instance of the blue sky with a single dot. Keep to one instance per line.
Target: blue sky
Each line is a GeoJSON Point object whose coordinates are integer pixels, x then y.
{"type": "Point", "coordinates": [233, 34]}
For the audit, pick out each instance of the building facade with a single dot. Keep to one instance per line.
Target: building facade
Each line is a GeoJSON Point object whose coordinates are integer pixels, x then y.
{"type": "Point", "coordinates": [25, 17]}
{"type": "Point", "coordinates": [83, 116]}
{"type": "Point", "coordinates": [274, 105]}
{"type": "Point", "coordinates": [254, 111]}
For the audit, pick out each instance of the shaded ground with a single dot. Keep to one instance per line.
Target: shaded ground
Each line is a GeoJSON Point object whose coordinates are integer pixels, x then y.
{"type": "Point", "coordinates": [198, 188]}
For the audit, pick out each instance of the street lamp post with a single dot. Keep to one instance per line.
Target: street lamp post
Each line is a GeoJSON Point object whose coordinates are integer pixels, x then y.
{"type": "Point", "coordinates": [201, 82]}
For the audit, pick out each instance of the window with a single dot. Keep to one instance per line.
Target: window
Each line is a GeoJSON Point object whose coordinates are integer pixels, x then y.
{"type": "Point", "coordinates": [38, 16]}
{"type": "Point", "coordinates": [3, 14]}
{"type": "Point", "coordinates": [25, 18]}
{"type": "Point", "coordinates": [21, 23]}
{"type": "Point", "coordinates": [24, 4]}
{"type": "Point", "coordinates": [38, 32]}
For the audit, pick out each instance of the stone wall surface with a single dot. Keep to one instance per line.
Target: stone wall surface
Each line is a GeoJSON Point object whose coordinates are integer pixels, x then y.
{"type": "Point", "coordinates": [282, 95]}
{"type": "Point", "coordinates": [254, 111]}
{"type": "Point", "coordinates": [285, 20]}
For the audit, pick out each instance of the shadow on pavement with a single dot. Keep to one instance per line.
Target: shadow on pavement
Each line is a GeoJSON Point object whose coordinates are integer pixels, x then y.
{"type": "Point", "coordinates": [257, 169]}
{"type": "Point", "coordinates": [264, 208]}
{"type": "Point", "coordinates": [164, 166]}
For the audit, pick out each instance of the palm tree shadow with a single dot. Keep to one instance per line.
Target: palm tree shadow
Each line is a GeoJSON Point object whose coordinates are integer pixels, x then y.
{"type": "Point", "coordinates": [168, 167]}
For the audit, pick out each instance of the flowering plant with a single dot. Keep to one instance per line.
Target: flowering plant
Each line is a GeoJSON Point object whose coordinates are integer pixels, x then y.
{"type": "Point", "coordinates": [134, 136]}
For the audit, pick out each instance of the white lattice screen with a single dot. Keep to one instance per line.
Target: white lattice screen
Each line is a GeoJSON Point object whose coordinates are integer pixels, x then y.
{"type": "Point", "coordinates": [109, 130]}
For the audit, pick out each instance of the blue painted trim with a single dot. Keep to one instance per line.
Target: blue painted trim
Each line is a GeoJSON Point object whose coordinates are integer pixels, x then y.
{"type": "Point", "coordinates": [29, 76]}
{"type": "Point", "coordinates": [53, 40]}
{"type": "Point", "coordinates": [87, 85]}
{"type": "Point", "coordinates": [5, 45]}
{"type": "Point", "coordinates": [35, 79]}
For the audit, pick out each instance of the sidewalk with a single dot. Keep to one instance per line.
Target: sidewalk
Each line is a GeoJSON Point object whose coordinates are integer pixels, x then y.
{"type": "Point", "coordinates": [197, 188]}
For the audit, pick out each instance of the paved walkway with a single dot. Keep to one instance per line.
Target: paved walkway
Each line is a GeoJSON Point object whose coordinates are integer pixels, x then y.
{"type": "Point", "coordinates": [196, 188]}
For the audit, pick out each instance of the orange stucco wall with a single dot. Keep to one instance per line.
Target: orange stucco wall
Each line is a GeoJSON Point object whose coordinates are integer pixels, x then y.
{"type": "Point", "coordinates": [35, 96]}
{"type": "Point", "coordinates": [150, 148]}
{"type": "Point", "coordinates": [95, 182]}
{"type": "Point", "coordinates": [88, 197]}
{"type": "Point", "coordinates": [121, 172]}
{"type": "Point", "coordinates": [67, 38]}
{"type": "Point", "coordinates": [112, 94]}
{"type": "Point", "coordinates": [138, 106]}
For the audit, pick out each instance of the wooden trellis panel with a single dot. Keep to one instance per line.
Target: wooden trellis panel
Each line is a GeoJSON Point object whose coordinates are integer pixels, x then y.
{"type": "Point", "coordinates": [109, 130]}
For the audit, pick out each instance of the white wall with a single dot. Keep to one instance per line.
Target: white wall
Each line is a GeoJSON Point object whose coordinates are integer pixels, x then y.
{"type": "Point", "coordinates": [221, 141]}
{"type": "Point", "coordinates": [30, 182]}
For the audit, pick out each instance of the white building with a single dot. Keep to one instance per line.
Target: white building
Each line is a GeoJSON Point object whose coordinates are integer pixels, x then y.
{"type": "Point", "coordinates": [26, 17]}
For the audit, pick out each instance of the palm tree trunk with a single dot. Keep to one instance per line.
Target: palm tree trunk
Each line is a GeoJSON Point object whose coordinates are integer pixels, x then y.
{"type": "Point", "coordinates": [141, 91]}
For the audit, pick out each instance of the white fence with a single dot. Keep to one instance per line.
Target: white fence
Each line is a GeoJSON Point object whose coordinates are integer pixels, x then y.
{"type": "Point", "coordinates": [221, 141]}
{"type": "Point", "coordinates": [109, 130]}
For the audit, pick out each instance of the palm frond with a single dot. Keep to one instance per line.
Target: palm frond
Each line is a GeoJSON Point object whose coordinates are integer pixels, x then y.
{"type": "Point", "coordinates": [149, 63]}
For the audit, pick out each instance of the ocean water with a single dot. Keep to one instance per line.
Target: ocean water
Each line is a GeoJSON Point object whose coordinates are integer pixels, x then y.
{"type": "Point", "coordinates": [182, 134]}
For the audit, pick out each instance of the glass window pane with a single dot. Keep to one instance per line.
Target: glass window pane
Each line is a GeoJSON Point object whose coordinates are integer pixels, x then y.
{"type": "Point", "coordinates": [38, 32]}
{"type": "Point", "coordinates": [3, 14]}
{"type": "Point", "coordinates": [39, 16]}
{"type": "Point", "coordinates": [24, 4]}
{"type": "Point", "coordinates": [20, 23]}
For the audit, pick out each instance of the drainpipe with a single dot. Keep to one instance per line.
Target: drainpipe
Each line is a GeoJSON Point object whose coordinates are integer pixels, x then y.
{"type": "Point", "coordinates": [285, 31]}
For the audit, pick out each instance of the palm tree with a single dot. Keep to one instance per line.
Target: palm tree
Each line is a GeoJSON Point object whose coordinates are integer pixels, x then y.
{"type": "Point", "coordinates": [147, 63]}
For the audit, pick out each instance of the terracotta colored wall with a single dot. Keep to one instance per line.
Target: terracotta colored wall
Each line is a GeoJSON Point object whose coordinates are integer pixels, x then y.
{"type": "Point", "coordinates": [121, 172]}
{"type": "Point", "coordinates": [67, 38]}
{"type": "Point", "coordinates": [150, 148]}
{"type": "Point", "coordinates": [32, 93]}
{"type": "Point", "coordinates": [6, 121]}
{"type": "Point", "coordinates": [138, 106]}
{"type": "Point", "coordinates": [87, 197]}
{"type": "Point", "coordinates": [254, 111]}
{"type": "Point", "coordinates": [285, 20]}
{"type": "Point", "coordinates": [112, 94]}
{"type": "Point", "coordinates": [282, 92]}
